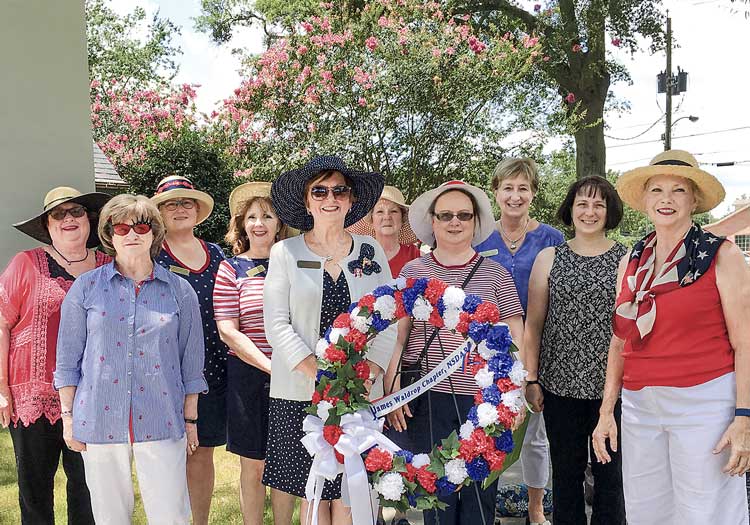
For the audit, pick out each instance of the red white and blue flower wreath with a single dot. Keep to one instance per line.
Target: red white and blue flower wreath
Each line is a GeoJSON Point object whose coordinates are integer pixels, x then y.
{"type": "Point", "coordinates": [344, 436]}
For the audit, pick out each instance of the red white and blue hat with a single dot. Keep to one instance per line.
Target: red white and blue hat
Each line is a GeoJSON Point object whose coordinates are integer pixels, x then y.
{"type": "Point", "coordinates": [179, 187]}
{"type": "Point", "coordinates": [421, 221]}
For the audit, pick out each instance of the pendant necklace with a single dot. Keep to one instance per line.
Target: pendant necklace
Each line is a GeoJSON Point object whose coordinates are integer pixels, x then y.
{"type": "Point", "coordinates": [68, 260]}
{"type": "Point", "coordinates": [513, 243]}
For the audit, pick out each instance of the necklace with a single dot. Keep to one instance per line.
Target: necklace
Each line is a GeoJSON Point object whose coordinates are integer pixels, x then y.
{"type": "Point", "coordinates": [513, 243]}
{"type": "Point", "coordinates": [68, 260]}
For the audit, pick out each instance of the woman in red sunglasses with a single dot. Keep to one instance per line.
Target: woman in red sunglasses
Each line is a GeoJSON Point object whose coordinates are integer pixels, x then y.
{"type": "Point", "coordinates": [130, 368]}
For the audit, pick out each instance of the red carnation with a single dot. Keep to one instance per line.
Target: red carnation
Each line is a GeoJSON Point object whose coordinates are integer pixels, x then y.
{"type": "Point", "coordinates": [378, 459]}
{"type": "Point", "coordinates": [410, 282]}
{"type": "Point", "coordinates": [410, 473]}
{"type": "Point", "coordinates": [342, 321]}
{"type": "Point", "coordinates": [477, 364]}
{"type": "Point", "coordinates": [357, 338]}
{"type": "Point", "coordinates": [434, 291]}
{"type": "Point", "coordinates": [505, 385]}
{"type": "Point", "coordinates": [496, 458]}
{"type": "Point", "coordinates": [400, 312]}
{"type": "Point", "coordinates": [506, 416]}
{"type": "Point", "coordinates": [332, 399]}
{"type": "Point", "coordinates": [335, 355]}
{"type": "Point", "coordinates": [362, 369]}
{"type": "Point", "coordinates": [486, 312]}
{"type": "Point", "coordinates": [435, 319]}
{"type": "Point", "coordinates": [339, 456]}
{"type": "Point", "coordinates": [466, 450]}
{"type": "Point", "coordinates": [481, 441]}
{"type": "Point", "coordinates": [316, 398]}
{"type": "Point", "coordinates": [427, 479]}
{"type": "Point", "coordinates": [332, 433]}
{"type": "Point", "coordinates": [464, 318]}
{"type": "Point", "coordinates": [478, 398]}
{"type": "Point", "coordinates": [368, 301]}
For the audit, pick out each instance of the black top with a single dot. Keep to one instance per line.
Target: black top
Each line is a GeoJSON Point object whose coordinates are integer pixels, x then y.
{"type": "Point", "coordinates": [56, 271]}
{"type": "Point", "coordinates": [336, 300]}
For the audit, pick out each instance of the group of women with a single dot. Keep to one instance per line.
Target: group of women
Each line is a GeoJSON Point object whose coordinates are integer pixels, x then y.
{"type": "Point", "coordinates": [164, 349]}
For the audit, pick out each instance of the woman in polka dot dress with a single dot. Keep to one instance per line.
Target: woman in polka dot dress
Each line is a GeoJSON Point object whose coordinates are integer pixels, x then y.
{"type": "Point", "coordinates": [183, 207]}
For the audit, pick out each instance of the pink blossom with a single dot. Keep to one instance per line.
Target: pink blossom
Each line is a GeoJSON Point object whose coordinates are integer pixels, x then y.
{"type": "Point", "coordinates": [243, 173]}
{"type": "Point", "coordinates": [545, 58]}
{"type": "Point", "coordinates": [95, 84]}
{"type": "Point", "coordinates": [450, 51]}
{"type": "Point", "coordinates": [311, 127]}
{"type": "Point", "coordinates": [362, 101]}
{"type": "Point", "coordinates": [384, 22]}
{"type": "Point", "coordinates": [616, 42]}
{"type": "Point", "coordinates": [576, 48]}
{"type": "Point", "coordinates": [436, 52]}
{"type": "Point", "coordinates": [371, 43]}
{"type": "Point", "coordinates": [570, 99]}
{"type": "Point", "coordinates": [530, 42]}
{"type": "Point", "coordinates": [307, 26]}
{"type": "Point", "coordinates": [476, 45]}
{"type": "Point", "coordinates": [301, 50]}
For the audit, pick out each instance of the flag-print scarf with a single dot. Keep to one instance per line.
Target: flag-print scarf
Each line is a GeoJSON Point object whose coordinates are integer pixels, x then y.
{"type": "Point", "coordinates": [635, 314]}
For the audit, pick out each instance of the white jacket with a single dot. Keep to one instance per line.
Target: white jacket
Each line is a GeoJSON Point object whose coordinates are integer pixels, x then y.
{"type": "Point", "coordinates": [292, 296]}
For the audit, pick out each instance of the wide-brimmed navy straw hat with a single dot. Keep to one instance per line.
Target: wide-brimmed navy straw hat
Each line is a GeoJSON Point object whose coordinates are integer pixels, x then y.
{"type": "Point", "coordinates": [288, 191]}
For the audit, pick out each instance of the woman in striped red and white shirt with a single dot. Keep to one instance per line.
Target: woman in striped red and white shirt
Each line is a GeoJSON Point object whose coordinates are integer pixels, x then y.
{"type": "Point", "coordinates": [238, 310]}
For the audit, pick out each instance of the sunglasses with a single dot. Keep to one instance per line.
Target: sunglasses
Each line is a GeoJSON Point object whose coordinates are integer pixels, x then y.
{"type": "Point", "coordinates": [339, 192]}
{"type": "Point", "coordinates": [188, 204]}
{"type": "Point", "coordinates": [447, 216]}
{"type": "Point", "coordinates": [59, 213]}
{"type": "Point", "coordinates": [122, 229]}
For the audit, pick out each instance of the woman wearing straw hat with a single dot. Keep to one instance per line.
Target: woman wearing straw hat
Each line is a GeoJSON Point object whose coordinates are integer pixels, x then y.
{"type": "Point", "coordinates": [453, 218]}
{"type": "Point", "coordinates": [388, 222]}
{"type": "Point", "coordinates": [312, 278]}
{"type": "Point", "coordinates": [238, 308]}
{"type": "Point", "coordinates": [32, 287]}
{"type": "Point", "coordinates": [680, 356]}
{"type": "Point", "coordinates": [182, 208]}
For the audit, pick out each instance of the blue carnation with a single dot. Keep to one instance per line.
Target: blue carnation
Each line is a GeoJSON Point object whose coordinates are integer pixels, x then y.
{"type": "Point", "coordinates": [500, 364]}
{"type": "Point", "coordinates": [471, 302]}
{"type": "Point", "coordinates": [478, 468]}
{"type": "Point", "coordinates": [477, 331]}
{"type": "Point", "coordinates": [420, 285]}
{"type": "Point", "coordinates": [409, 296]}
{"type": "Point", "coordinates": [444, 487]}
{"type": "Point", "coordinates": [408, 456]}
{"type": "Point", "coordinates": [472, 416]}
{"type": "Point", "coordinates": [380, 291]}
{"type": "Point", "coordinates": [440, 307]}
{"type": "Point", "coordinates": [352, 307]}
{"type": "Point", "coordinates": [491, 394]}
{"type": "Point", "coordinates": [327, 335]}
{"type": "Point", "coordinates": [498, 338]}
{"type": "Point", "coordinates": [328, 373]}
{"type": "Point", "coordinates": [378, 323]}
{"type": "Point", "coordinates": [504, 442]}
{"type": "Point", "coordinates": [412, 499]}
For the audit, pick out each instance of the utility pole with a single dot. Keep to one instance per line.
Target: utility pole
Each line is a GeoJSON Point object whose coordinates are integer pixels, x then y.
{"type": "Point", "coordinates": [668, 131]}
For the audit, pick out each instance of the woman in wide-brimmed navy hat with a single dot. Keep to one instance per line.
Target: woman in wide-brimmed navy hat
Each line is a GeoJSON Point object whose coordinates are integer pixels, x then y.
{"type": "Point", "coordinates": [312, 278]}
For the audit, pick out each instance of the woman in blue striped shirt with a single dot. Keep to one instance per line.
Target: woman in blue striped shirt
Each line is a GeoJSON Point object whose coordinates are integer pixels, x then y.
{"type": "Point", "coordinates": [129, 370]}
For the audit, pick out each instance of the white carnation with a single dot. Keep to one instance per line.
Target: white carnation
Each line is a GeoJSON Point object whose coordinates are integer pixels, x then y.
{"type": "Point", "coordinates": [487, 414]}
{"type": "Point", "coordinates": [323, 408]}
{"type": "Point", "coordinates": [454, 297]}
{"type": "Point", "coordinates": [451, 317]}
{"type": "Point", "coordinates": [517, 373]}
{"type": "Point", "coordinates": [359, 322]}
{"type": "Point", "coordinates": [320, 348]}
{"type": "Point", "coordinates": [455, 471]}
{"type": "Point", "coordinates": [466, 430]}
{"type": "Point", "coordinates": [422, 309]}
{"type": "Point", "coordinates": [391, 486]}
{"type": "Point", "coordinates": [486, 352]}
{"type": "Point", "coordinates": [420, 460]}
{"type": "Point", "coordinates": [336, 333]}
{"type": "Point", "coordinates": [484, 377]}
{"type": "Point", "coordinates": [514, 400]}
{"type": "Point", "coordinates": [386, 306]}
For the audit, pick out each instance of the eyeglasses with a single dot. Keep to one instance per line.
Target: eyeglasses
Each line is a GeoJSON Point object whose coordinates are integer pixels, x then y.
{"type": "Point", "coordinates": [339, 192]}
{"type": "Point", "coordinates": [446, 216]}
{"type": "Point", "coordinates": [188, 204]}
{"type": "Point", "coordinates": [122, 229]}
{"type": "Point", "coordinates": [59, 213]}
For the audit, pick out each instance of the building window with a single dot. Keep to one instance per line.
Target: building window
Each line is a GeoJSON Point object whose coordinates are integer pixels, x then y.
{"type": "Point", "coordinates": [742, 242]}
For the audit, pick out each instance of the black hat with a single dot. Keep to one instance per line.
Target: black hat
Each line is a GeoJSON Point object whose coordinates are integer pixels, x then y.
{"type": "Point", "coordinates": [288, 191]}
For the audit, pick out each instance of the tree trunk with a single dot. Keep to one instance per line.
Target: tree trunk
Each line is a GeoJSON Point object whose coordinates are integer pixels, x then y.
{"type": "Point", "coordinates": [591, 155]}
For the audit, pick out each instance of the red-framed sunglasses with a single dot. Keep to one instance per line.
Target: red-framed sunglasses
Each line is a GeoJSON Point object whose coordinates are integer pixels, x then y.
{"type": "Point", "coordinates": [122, 229]}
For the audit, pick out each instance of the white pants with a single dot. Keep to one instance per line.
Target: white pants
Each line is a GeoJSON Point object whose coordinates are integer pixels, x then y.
{"type": "Point", "coordinates": [535, 453]}
{"type": "Point", "coordinates": [160, 467]}
{"type": "Point", "coordinates": [670, 475]}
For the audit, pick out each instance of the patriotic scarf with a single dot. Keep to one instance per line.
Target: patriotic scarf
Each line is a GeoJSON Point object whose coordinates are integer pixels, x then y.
{"type": "Point", "coordinates": [635, 314]}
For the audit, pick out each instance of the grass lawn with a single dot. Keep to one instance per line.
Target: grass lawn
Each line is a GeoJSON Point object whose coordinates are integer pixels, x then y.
{"type": "Point", "coordinates": [225, 508]}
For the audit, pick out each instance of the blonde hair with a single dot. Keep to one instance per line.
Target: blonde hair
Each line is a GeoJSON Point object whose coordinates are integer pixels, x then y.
{"type": "Point", "coordinates": [513, 167]}
{"type": "Point", "coordinates": [236, 235]}
{"type": "Point", "coordinates": [125, 207]}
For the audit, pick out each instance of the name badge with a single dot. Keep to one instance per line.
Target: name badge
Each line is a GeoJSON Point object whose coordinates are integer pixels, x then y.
{"type": "Point", "coordinates": [179, 269]}
{"type": "Point", "coordinates": [311, 265]}
{"type": "Point", "coordinates": [252, 272]}
{"type": "Point", "coordinates": [488, 253]}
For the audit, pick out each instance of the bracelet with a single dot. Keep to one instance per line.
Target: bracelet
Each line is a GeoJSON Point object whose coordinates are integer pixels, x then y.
{"type": "Point", "coordinates": [532, 382]}
{"type": "Point", "coordinates": [66, 413]}
{"type": "Point", "coordinates": [191, 421]}
{"type": "Point", "coordinates": [742, 412]}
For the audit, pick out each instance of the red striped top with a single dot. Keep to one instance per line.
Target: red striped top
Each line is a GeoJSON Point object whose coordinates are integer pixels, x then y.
{"type": "Point", "coordinates": [491, 282]}
{"type": "Point", "coordinates": [238, 294]}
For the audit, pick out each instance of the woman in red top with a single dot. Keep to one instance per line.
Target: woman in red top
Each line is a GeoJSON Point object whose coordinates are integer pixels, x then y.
{"type": "Point", "coordinates": [681, 356]}
{"type": "Point", "coordinates": [32, 289]}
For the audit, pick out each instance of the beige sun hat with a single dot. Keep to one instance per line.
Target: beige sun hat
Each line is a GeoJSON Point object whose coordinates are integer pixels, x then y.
{"type": "Point", "coordinates": [405, 234]}
{"type": "Point", "coordinates": [179, 187]}
{"type": "Point", "coordinates": [247, 191]}
{"type": "Point", "coordinates": [632, 184]}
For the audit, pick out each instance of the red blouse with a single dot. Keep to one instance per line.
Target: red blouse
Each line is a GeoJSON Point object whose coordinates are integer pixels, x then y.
{"type": "Point", "coordinates": [30, 302]}
{"type": "Point", "coordinates": [406, 253]}
{"type": "Point", "coordinates": [689, 344]}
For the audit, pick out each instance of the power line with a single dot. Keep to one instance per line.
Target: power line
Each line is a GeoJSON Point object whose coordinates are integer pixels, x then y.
{"type": "Point", "coordinates": [682, 137]}
{"type": "Point", "coordinates": [639, 134]}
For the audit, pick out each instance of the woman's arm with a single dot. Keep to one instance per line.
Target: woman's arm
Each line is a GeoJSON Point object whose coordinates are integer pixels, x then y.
{"type": "Point", "coordinates": [733, 282]}
{"type": "Point", "coordinates": [6, 399]}
{"type": "Point", "coordinates": [190, 340]}
{"type": "Point", "coordinates": [67, 395]}
{"type": "Point", "coordinates": [242, 345]}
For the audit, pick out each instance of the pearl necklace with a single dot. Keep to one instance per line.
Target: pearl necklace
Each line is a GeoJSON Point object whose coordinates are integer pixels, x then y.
{"type": "Point", "coordinates": [513, 243]}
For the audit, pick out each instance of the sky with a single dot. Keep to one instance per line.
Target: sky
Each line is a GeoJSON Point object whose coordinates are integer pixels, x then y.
{"type": "Point", "coordinates": [711, 37]}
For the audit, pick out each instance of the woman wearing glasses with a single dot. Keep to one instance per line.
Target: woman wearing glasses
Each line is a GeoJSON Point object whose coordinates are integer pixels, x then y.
{"type": "Point", "coordinates": [129, 370]}
{"type": "Point", "coordinates": [312, 278]}
{"type": "Point", "coordinates": [32, 288]}
{"type": "Point", "coordinates": [182, 208]}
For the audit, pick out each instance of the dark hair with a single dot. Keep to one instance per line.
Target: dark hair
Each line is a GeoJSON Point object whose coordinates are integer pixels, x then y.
{"type": "Point", "coordinates": [474, 207]}
{"type": "Point", "coordinates": [591, 186]}
{"type": "Point", "coordinates": [325, 175]}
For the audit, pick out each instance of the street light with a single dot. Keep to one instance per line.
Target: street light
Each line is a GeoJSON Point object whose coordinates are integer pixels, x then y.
{"type": "Point", "coordinates": [691, 118]}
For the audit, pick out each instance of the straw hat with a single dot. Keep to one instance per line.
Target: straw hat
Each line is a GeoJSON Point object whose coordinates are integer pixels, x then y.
{"type": "Point", "coordinates": [405, 234]}
{"type": "Point", "coordinates": [179, 187]}
{"type": "Point", "coordinates": [632, 184]}
{"type": "Point", "coordinates": [247, 191]}
{"type": "Point", "coordinates": [36, 226]}
{"type": "Point", "coordinates": [421, 221]}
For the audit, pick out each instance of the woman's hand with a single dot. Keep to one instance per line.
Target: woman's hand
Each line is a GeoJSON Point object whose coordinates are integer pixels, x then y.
{"type": "Point", "coordinates": [519, 419]}
{"type": "Point", "coordinates": [397, 418]}
{"type": "Point", "coordinates": [6, 405]}
{"type": "Point", "coordinates": [737, 436]}
{"type": "Point", "coordinates": [535, 397]}
{"type": "Point", "coordinates": [72, 443]}
{"type": "Point", "coordinates": [191, 432]}
{"type": "Point", "coordinates": [605, 429]}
